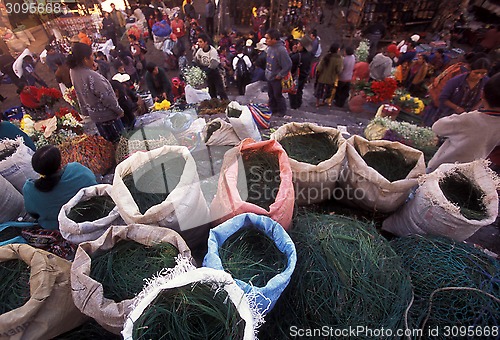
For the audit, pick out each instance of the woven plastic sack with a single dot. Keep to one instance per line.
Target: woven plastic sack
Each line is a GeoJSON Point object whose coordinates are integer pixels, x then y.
{"type": "Point", "coordinates": [184, 210]}
{"type": "Point", "coordinates": [229, 202]}
{"type": "Point", "coordinates": [88, 293]}
{"type": "Point", "coordinates": [17, 167]}
{"type": "Point", "coordinates": [265, 297]}
{"type": "Point", "coordinates": [366, 187]}
{"type": "Point", "coordinates": [50, 311]}
{"type": "Point", "coordinates": [11, 202]}
{"type": "Point", "coordinates": [88, 230]}
{"type": "Point", "coordinates": [430, 213]}
{"type": "Point", "coordinates": [194, 96]}
{"type": "Point", "coordinates": [244, 125]}
{"type": "Point", "coordinates": [94, 152]}
{"type": "Point", "coordinates": [224, 135]}
{"type": "Point", "coordinates": [314, 183]}
{"type": "Point", "coordinates": [184, 274]}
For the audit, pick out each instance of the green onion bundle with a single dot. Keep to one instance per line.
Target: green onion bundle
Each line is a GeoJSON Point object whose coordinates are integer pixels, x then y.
{"type": "Point", "coordinates": [15, 281]}
{"type": "Point", "coordinates": [93, 209]}
{"type": "Point", "coordinates": [454, 283]}
{"type": "Point", "coordinates": [252, 257]}
{"type": "Point", "coordinates": [346, 275]}
{"type": "Point", "coordinates": [190, 312]}
{"type": "Point", "coordinates": [389, 163]}
{"type": "Point", "coordinates": [151, 184]}
{"type": "Point", "coordinates": [312, 148]}
{"type": "Point", "coordinates": [7, 152]}
{"type": "Point", "coordinates": [122, 269]}
{"type": "Point", "coordinates": [262, 171]}
{"type": "Point", "coordinates": [459, 190]}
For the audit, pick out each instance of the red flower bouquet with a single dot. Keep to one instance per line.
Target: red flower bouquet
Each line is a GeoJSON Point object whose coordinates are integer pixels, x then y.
{"type": "Point", "coordinates": [48, 96]}
{"type": "Point", "coordinates": [382, 90]}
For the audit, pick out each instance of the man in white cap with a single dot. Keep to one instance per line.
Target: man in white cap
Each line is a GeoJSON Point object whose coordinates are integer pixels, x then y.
{"type": "Point", "coordinates": [260, 61]}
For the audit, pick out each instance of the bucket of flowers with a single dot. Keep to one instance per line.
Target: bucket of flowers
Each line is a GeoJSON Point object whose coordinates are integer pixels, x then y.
{"type": "Point", "coordinates": [373, 93]}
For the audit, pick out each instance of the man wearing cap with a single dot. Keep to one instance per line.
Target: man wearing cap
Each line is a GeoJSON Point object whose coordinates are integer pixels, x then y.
{"type": "Point", "coordinates": [260, 61]}
{"type": "Point", "coordinates": [301, 64]}
{"type": "Point", "coordinates": [278, 64]}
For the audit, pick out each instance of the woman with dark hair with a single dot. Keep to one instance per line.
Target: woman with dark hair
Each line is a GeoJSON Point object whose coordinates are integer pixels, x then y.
{"type": "Point", "coordinates": [128, 102]}
{"type": "Point", "coordinates": [327, 74]}
{"type": "Point", "coordinates": [460, 94]}
{"type": "Point", "coordinates": [44, 197]}
{"type": "Point", "coordinates": [417, 73]}
{"type": "Point", "coordinates": [94, 93]}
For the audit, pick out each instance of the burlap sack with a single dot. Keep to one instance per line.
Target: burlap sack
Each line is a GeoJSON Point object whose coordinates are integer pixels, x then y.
{"type": "Point", "coordinates": [185, 208]}
{"type": "Point", "coordinates": [11, 202]}
{"type": "Point", "coordinates": [50, 311]}
{"type": "Point", "coordinates": [88, 293]}
{"type": "Point", "coordinates": [368, 189]}
{"type": "Point", "coordinates": [17, 167]}
{"type": "Point", "coordinates": [430, 213]}
{"type": "Point", "coordinates": [228, 201]}
{"type": "Point", "coordinates": [88, 230]}
{"type": "Point", "coordinates": [314, 183]}
{"type": "Point", "coordinates": [225, 135]}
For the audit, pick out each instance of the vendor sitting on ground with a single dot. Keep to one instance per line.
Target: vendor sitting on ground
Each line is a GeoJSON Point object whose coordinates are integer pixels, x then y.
{"type": "Point", "coordinates": [472, 135]}
{"type": "Point", "coordinates": [158, 83]}
{"type": "Point", "coordinates": [44, 197]}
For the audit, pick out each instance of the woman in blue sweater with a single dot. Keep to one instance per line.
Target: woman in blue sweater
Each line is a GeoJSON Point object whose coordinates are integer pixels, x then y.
{"type": "Point", "coordinates": [44, 197]}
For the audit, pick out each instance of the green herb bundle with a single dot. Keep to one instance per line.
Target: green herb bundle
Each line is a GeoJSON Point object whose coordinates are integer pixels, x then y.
{"type": "Point", "coordinates": [453, 282]}
{"type": "Point", "coordinates": [190, 312]}
{"type": "Point", "coordinates": [346, 274]}
{"type": "Point", "coordinates": [151, 184]}
{"type": "Point", "coordinates": [312, 148]}
{"type": "Point", "coordinates": [262, 171]}
{"type": "Point", "coordinates": [459, 190]}
{"type": "Point", "coordinates": [15, 279]}
{"type": "Point", "coordinates": [389, 163]}
{"type": "Point", "coordinates": [89, 330]}
{"type": "Point", "coordinates": [251, 256]}
{"type": "Point", "coordinates": [93, 209]}
{"type": "Point", "coordinates": [122, 269]}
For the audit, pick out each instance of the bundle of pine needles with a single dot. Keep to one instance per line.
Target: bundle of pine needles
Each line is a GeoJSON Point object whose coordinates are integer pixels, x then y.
{"type": "Point", "coordinates": [7, 152]}
{"type": "Point", "coordinates": [15, 279]}
{"type": "Point", "coordinates": [151, 184]}
{"type": "Point", "coordinates": [346, 275]}
{"type": "Point", "coordinates": [89, 330]}
{"type": "Point", "coordinates": [233, 113]}
{"type": "Point", "coordinates": [461, 191]}
{"type": "Point", "coordinates": [389, 163]}
{"type": "Point", "coordinates": [9, 233]}
{"type": "Point", "coordinates": [93, 209]}
{"type": "Point", "coordinates": [454, 283]}
{"type": "Point", "coordinates": [251, 256]}
{"type": "Point", "coordinates": [211, 128]}
{"type": "Point", "coordinates": [262, 171]}
{"type": "Point", "coordinates": [122, 269]}
{"type": "Point", "coordinates": [190, 312]}
{"type": "Point", "coordinates": [312, 148]}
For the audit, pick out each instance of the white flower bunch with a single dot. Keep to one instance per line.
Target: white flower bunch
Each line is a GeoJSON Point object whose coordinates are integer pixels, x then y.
{"type": "Point", "coordinates": [362, 51]}
{"type": "Point", "coordinates": [70, 121]}
{"type": "Point", "coordinates": [194, 76]}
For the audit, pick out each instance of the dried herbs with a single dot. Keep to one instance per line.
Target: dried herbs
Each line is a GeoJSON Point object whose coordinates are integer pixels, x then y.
{"type": "Point", "coordinates": [312, 148]}
{"type": "Point", "coordinates": [93, 209]}
{"type": "Point", "coordinates": [15, 280]}
{"type": "Point", "coordinates": [389, 163]}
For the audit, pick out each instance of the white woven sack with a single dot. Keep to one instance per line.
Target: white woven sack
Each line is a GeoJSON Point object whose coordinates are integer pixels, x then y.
{"type": "Point", "coordinates": [184, 274]}
{"type": "Point", "coordinates": [369, 189]}
{"type": "Point", "coordinates": [184, 208]}
{"type": "Point", "coordinates": [17, 168]}
{"type": "Point", "coordinates": [314, 183]}
{"type": "Point", "coordinates": [223, 136]}
{"type": "Point", "coordinates": [89, 230]}
{"type": "Point", "coordinates": [430, 213]}
{"type": "Point", "coordinates": [11, 202]}
{"type": "Point", "coordinates": [244, 125]}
